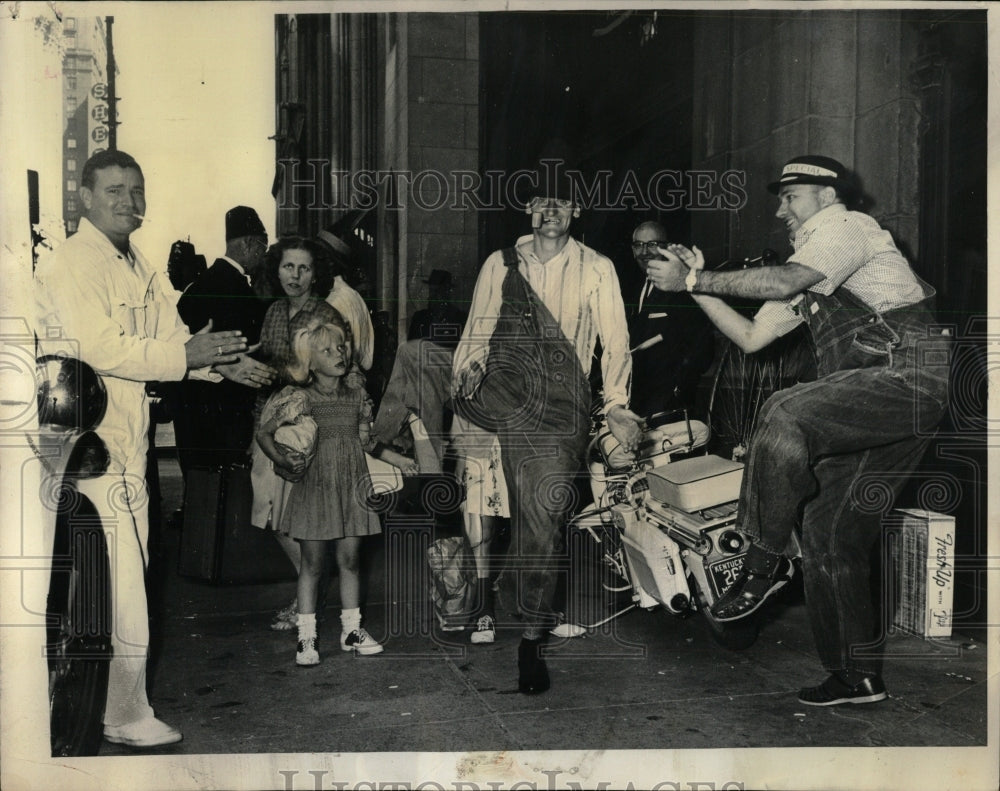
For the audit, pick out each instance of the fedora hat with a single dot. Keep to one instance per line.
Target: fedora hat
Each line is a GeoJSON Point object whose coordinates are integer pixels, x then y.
{"type": "Point", "coordinates": [339, 238]}
{"type": "Point", "coordinates": [439, 277]}
{"type": "Point", "coordinates": [549, 174]}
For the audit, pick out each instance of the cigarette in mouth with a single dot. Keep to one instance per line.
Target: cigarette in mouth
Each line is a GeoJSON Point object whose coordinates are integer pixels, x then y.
{"type": "Point", "coordinates": [139, 217]}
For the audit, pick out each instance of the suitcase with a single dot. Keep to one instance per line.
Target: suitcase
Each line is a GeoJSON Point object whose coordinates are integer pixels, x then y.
{"type": "Point", "coordinates": [697, 483]}
{"type": "Point", "coordinates": [218, 543]}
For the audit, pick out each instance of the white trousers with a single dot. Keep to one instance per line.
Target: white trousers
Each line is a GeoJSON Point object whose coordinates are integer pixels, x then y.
{"type": "Point", "coordinates": [122, 501]}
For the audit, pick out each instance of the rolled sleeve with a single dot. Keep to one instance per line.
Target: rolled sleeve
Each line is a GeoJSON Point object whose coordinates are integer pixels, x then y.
{"type": "Point", "coordinates": [779, 316]}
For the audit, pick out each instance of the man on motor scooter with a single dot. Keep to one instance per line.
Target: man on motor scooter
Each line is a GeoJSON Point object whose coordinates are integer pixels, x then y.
{"type": "Point", "coordinates": [864, 420]}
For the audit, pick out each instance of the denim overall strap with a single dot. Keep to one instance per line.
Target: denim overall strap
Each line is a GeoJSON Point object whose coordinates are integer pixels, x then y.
{"type": "Point", "coordinates": [533, 381]}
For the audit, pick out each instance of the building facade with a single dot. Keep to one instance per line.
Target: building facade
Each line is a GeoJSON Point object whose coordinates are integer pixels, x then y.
{"type": "Point", "coordinates": [85, 106]}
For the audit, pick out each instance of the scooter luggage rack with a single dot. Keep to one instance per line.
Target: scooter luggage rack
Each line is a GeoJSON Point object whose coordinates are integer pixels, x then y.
{"type": "Point", "coordinates": [691, 529]}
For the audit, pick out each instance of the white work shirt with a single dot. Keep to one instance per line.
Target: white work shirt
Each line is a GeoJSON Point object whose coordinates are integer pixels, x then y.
{"type": "Point", "coordinates": [115, 315]}
{"type": "Point", "coordinates": [580, 288]}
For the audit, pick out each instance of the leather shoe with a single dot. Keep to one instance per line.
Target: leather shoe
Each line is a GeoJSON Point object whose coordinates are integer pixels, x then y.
{"type": "Point", "coordinates": [835, 691]}
{"type": "Point", "coordinates": [533, 675]}
{"type": "Point", "coordinates": [751, 590]}
{"type": "Point", "coordinates": [149, 732]}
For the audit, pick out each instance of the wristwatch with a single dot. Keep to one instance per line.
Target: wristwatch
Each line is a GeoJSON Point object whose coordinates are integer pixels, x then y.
{"type": "Point", "coordinates": [691, 281]}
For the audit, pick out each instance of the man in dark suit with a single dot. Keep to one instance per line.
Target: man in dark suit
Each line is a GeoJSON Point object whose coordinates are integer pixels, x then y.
{"type": "Point", "coordinates": [672, 344]}
{"type": "Point", "coordinates": [214, 424]}
{"type": "Point", "coordinates": [441, 321]}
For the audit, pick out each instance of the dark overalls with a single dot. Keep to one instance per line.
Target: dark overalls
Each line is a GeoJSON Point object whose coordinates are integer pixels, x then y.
{"type": "Point", "coordinates": [535, 396]}
{"type": "Point", "coordinates": [835, 452]}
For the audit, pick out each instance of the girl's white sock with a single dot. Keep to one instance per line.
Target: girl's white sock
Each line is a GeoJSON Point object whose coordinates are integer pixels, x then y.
{"type": "Point", "coordinates": [350, 619]}
{"type": "Point", "coordinates": [307, 625]}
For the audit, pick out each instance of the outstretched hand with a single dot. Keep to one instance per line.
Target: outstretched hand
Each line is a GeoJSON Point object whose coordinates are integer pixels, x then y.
{"type": "Point", "coordinates": [247, 371]}
{"type": "Point", "coordinates": [667, 273]}
{"type": "Point", "coordinates": [213, 348]}
{"type": "Point", "coordinates": [670, 272]}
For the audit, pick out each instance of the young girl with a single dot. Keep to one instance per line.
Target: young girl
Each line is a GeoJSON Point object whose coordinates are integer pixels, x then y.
{"type": "Point", "coordinates": [328, 502]}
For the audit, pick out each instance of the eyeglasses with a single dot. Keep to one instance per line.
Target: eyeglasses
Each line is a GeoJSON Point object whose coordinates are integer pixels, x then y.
{"type": "Point", "coordinates": [550, 203]}
{"type": "Point", "coordinates": [648, 247]}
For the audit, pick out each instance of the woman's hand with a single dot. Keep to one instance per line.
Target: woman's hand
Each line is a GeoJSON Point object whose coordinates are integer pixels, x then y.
{"type": "Point", "coordinates": [406, 465]}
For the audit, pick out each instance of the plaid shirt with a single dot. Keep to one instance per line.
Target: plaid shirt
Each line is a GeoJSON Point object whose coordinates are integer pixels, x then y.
{"type": "Point", "coordinates": [275, 338]}
{"type": "Point", "coordinates": [851, 250]}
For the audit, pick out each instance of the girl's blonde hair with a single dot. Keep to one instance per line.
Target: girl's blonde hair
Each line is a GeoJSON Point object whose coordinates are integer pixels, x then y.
{"type": "Point", "coordinates": [309, 337]}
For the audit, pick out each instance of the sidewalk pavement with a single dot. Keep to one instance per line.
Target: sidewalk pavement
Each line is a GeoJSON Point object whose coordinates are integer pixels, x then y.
{"type": "Point", "coordinates": [647, 680]}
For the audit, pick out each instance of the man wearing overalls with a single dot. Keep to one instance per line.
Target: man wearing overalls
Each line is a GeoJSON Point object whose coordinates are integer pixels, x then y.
{"type": "Point", "coordinates": [520, 371]}
{"type": "Point", "coordinates": [824, 451]}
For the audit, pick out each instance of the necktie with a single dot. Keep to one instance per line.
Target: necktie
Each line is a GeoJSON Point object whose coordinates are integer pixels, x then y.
{"type": "Point", "coordinates": [645, 293]}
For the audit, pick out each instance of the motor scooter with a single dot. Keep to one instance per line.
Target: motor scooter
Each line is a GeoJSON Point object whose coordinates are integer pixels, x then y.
{"type": "Point", "coordinates": [664, 527]}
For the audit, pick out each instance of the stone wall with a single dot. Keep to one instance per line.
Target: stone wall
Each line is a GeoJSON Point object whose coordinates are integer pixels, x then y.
{"type": "Point", "coordinates": [431, 127]}
{"type": "Point", "coordinates": [771, 86]}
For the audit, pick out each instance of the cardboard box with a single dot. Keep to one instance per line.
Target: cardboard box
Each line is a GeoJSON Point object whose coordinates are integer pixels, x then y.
{"type": "Point", "coordinates": [697, 483]}
{"type": "Point", "coordinates": [923, 555]}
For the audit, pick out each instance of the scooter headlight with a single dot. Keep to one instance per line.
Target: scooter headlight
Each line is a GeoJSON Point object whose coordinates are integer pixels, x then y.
{"type": "Point", "coordinates": [731, 542]}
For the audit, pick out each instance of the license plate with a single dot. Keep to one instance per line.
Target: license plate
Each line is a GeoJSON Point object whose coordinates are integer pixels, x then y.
{"type": "Point", "coordinates": [723, 573]}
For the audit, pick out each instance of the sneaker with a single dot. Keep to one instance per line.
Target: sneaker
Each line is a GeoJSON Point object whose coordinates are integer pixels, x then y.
{"type": "Point", "coordinates": [834, 691]}
{"type": "Point", "coordinates": [564, 628]}
{"type": "Point", "coordinates": [307, 654]}
{"type": "Point", "coordinates": [360, 642]}
{"type": "Point", "coordinates": [448, 626]}
{"type": "Point", "coordinates": [149, 732]}
{"type": "Point", "coordinates": [485, 631]}
{"type": "Point", "coordinates": [287, 618]}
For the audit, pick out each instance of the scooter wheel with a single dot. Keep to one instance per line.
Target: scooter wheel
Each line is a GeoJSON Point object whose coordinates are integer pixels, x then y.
{"type": "Point", "coordinates": [735, 635]}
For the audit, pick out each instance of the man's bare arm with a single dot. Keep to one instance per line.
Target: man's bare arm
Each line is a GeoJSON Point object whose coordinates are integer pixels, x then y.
{"type": "Point", "coordinates": [769, 282]}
